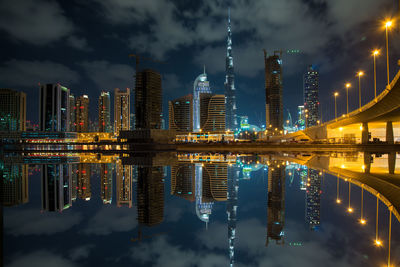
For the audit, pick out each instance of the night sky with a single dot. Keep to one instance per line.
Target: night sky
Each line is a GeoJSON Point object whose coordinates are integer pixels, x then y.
{"type": "Point", "coordinates": [84, 45]}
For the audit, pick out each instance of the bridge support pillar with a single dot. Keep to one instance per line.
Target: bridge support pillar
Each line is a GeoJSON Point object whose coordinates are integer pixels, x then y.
{"type": "Point", "coordinates": [364, 133]}
{"type": "Point", "coordinates": [392, 162]}
{"type": "Point", "coordinates": [389, 132]}
{"type": "Point", "coordinates": [367, 162]}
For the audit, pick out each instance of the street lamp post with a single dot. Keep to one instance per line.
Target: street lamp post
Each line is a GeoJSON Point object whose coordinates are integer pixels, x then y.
{"type": "Point", "coordinates": [347, 97]}
{"type": "Point", "coordinates": [377, 241]}
{"type": "Point", "coordinates": [335, 95]}
{"type": "Point", "coordinates": [388, 24]}
{"type": "Point", "coordinates": [359, 74]}
{"type": "Point", "coordinates": [350, 209]}
{"type": "Point", "coordinates": [375, 53]}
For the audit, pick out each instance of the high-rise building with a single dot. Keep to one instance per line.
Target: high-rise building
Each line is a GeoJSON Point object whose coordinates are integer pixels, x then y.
{"type": "Point", "coordinates": [204, 204]}
{"type": "Point", "coordinates": [301, 116]}
{"type": "Point", "coordinates": [273, 91]}
{"type": "Point", "coordinates": [215, 181]}
{"type": "Point", "coordinates": [82, 114]}
{"type": "Point", "coordinates": [124, 185]}
{"type": "Point", "coordinates": [56, 187]}
{"type": "Point", "coordinates": [12, 110]}
{"type": "Point", "coordinates": [148, 99]}
{"type": "Point", "coordinates": [181, 114]}
{"type": "Point", "coordinates": [54, 113]}
{"type": "Point", "coordinates": [122, 110]}
{"type": "Point", "coordinates": [104, 113]}
{"type": "Point", "coordinates": [14, 187]}
{"type": "Point", "coordinates": [200, 86]}
{"type": "Point", "coordinates": [150, 195]}
{"type": "Point", "coordinates": [276, 203]}
{"type": "Point", "coordinates": [311, 103]}
{"type": "Point", "coordinates": [212, 113]}
{"type": "Point", "coordinates": [231, 210]}
{"type": "Point", "coordinates": [72, 111]}
{"type": "Point", "coordinates": [183, 181]}
{"type": "Point", "coordinates": [106, 183]}
{"type": "Point", "coordinates": [313, 199]}
{"type": "Point", "coordinates": [83, 178]}
{"type": "Point", "coordinates": [230, 94]}
{"type": "Point", "coordinates": [133, 121]}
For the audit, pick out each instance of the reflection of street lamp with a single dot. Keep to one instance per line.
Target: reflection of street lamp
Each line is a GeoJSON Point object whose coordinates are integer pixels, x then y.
{"type": "Point", "coordinates": [390, 233]}
{"type": "Point", "coordinates": [359, 74]}
{"type": "Point", "coordinates": [362, 220]}
{"type": "Point", "coordinates": [375, 53]}
{"type": "Point", "coordinates": [350, 209]}
{"type": "Point", "coordinates": [347, 97]}
{"type": "Point", "coordinates": [338, 201]}
{"type": "Point", "coordinates": [388, 24]}
{"type": "Point", "coordinates": [377, 241]}
{"type": "Point", "coordinates": [335, 95]}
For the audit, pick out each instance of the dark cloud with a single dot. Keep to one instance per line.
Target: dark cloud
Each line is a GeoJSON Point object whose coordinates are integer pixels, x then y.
{"type": "Point", "coordinates": [29, 73]}
{"type": "Point", "coordinates": [81, 252]}
{"type": "Point", "coordinates": [41, 258]}
{"type": "Point", "coordinates": [79, 43]}
{"type": "Point", "coordinates": [33, 222]}
{"type": "Point", "coordinates": [37, 22]}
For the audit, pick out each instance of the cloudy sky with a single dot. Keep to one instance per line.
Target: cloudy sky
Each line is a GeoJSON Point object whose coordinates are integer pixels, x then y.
{"type": "Point", "coordinates": [85, 45]}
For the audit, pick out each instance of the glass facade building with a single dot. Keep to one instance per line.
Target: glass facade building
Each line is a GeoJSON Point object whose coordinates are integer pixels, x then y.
{"type": "Point", "coordinates": [12, 110]}
{"type": "Point", "coordinates": [200, 86]}
{"type": "Point", "coordinates": [311, 102]}
{"type": "Point", "coordinates": [104, 113]}
{"type": "Point", "coordinates": [181, 114]}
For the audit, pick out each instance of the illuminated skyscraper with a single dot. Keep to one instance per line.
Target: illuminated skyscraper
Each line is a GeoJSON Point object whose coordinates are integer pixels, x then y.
{"type": "Point", "coordinates": [230, 94]}
{"type": "Point", "coordinates": [181, 114]}
{"type": "Point", "coordinates": [231, 209]}
{"type": "Point", "coordinates": [212, 113]}
{"type": "Point", "coordinates": [56, 187]}
{"type": "Point", "coordinates": [215, 181]}
{"type": "Point", "coordinates": [150, 195]}
{"type": "Point", "coordinates": [301, 116]}
{"type": "Point", "coordinates": [273, 91]}
{"type": "Point", "coordinates": [313, 199]}
{"type": "Point", "coordinates": [72, 110]}
{"type": "Point", "coordinates": [183, 181]}
{"type": "Point", "coordinates": [200, 86]}
{"type": "Point", "coordinates": [203, 204]}
{"type": "Point", "coordinates": [14, 187]}
{"type": "Point", "coordinates": [82, 114]}
{"type": "Point", "coordinates": [106, 183]}
{"type": "Point", "coordinates": [12, 110]}
{"type": "Point", "coordinates": [124, 184]}
{"type": "Point", "coordinates": [148, 100]}
{"type": "Point", "coordinates": [311, 103]}
{"type": "Point", "coordinates": [54, 113]}
{"type": "Point", "coordinates": [276, 203]}
{"type": "Point", "coordinates": [104, 113]}
{"type": "Point", "coordinates": [83, 178]}
{"type": "Point", "coordinates": [122, 110]}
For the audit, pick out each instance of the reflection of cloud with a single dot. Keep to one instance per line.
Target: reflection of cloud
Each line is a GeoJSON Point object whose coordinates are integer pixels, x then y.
{"type": "Point", "coordinates": [81, 252]}
{"type": "Point", "coordinates": [40, 259]}
{"type": "Point", "coordinates": [161, 253]}
{"type": "Point", "coordinates": [32, 222]}
{"type": "Point", "coordinates": [112, 219]}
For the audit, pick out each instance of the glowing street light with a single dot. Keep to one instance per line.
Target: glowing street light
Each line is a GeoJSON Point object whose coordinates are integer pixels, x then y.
{"type": "Point", "coordinates": [359, 74]}
{"type": "Point", "coordinates": [338, 201]}
{"type": "Point", "coordinates": [349, 209]}
{"type": "Point", "coordinates": [348, 85]}
{"type": "Point", "coordinates": [362, 219]}
{"type": "Point", "coordinates": [336, 94]}
{"type": "Point", "coordinates": [377, 241]}
{"type": "Point", "coordinates": [390, 232]}
{"type": "Point", "coordinates": [375, 53]}
{"type": "Point", "coordinates": [388, 24]}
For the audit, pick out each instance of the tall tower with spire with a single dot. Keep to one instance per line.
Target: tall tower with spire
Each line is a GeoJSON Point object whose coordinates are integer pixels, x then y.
{"type": "Point", "coordinates": [230, 98]}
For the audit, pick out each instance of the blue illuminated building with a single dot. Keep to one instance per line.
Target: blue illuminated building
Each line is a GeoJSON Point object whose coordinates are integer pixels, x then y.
{"type": "Point", "coordinates": [200, 86]}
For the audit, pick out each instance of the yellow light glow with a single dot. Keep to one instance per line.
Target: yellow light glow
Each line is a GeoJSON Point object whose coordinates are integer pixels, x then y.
{"type": "Point", "coordinates": [361, 128]}
{"type": "Point", "coordinates": [341, 129]}
{"type": "Point", "coordinates": [360, 73]}
{"type": "Point", "coordinates": [348, 85]}
{"type": "Point", "coordinates": [375, 52]}
{"type": "Point", "coordinates": [388, 23]}
{"type": "Point", "coordinates": [378, 243]}
{"type": "Point", "coordinates": [342, 166]}
{"type": "Point", "coordinates": [350, 210]}
{"type": "Point", "coordinates": [363, 221]}
{"type": "Point", "coordinates": [338, 201]}
{"type": "Point", "coordinates": [363, 167]}
{"type": "Point", "coordinates": [336, 94]}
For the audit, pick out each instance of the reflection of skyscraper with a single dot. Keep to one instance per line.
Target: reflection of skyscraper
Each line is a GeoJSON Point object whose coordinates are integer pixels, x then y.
{"type": "Point", "coordinates": [12, 110]}
{"type": "Point", "coordinates": [104, 112]}
{"type": "Point", "coordinates": [74, 182]}
{"type": "Point", "coordinates": [273, 91]}
{"type": "Point", "coordinates": [311, 87]}
{"type": "Point", "coordinates": [276, 203]}
{"type": "Point", "coordinates": [200, 86]}
{"type": "Point", "coordinates": [72, 109]}
{"type": "Point", "coordinates": [122, 110]}
{"type": "Point", "coordinates": [124, 185]}
{"type": "Point", "coordinates": [231, 209]}
{"type": "Point", "coordinates": [203, 205]}
{"type": "Point", "coordinates": [230, 95]}
{"type": "Point", "coordinates": [148, 99]}
{"type": "Point", "coordinates": [83, 179]}
{"type": "Point", "coordinates": [183, 182]}
{"type": "Point", "coordinates": [54, 108]}
{"type": "Point", "coordinates": [313, 199]}
{"type": "Point", "coordinates": [212, 113]}
{"type": "Point", "coordinates": [215, 181]}
{"type": "Point", "coordinates": [106, 183]}
{"type": "Point", "coordinates": [303, 177]}
{"type": "Point", "coordinates": [56, 187]}
{"type": "Point", "coordinates": [181, 114]}
{"type": "Point", "coordinates": [150, 195]}
{"type": "Point", "coordinates": [14, 187]}
{"type": "Point", "coordinates": [82, 114]}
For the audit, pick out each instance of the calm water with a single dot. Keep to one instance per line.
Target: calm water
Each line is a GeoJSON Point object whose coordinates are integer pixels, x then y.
{"type": "Point", "coordinates": [208, 211]}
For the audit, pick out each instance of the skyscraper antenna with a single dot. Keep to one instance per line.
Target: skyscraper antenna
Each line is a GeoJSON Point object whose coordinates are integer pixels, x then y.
{"type": "Point", "coordinates": [204, 69]}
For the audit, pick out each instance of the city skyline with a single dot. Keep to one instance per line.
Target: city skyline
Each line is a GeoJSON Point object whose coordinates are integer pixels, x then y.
{"type": "Point", "coordinates": [89, 77]}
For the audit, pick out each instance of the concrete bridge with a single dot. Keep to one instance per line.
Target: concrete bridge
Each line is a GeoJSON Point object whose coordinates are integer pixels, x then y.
{"type": "Point", "coordinates": [378, 120]}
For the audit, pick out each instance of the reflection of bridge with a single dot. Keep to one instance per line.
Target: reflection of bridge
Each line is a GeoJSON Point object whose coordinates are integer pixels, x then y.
{"type": "Point", "coordinates": [359, 170]}
{"type": "Point", "coordinates": [378, 119]}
